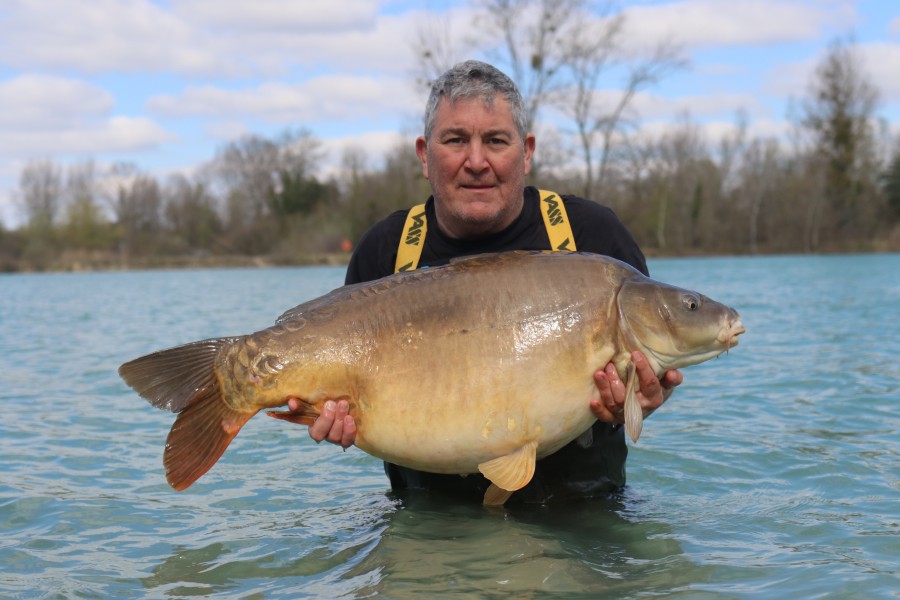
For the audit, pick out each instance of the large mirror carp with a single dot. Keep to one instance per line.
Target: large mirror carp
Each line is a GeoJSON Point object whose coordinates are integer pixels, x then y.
{"type": "Point", "coordinates": [485, 364]}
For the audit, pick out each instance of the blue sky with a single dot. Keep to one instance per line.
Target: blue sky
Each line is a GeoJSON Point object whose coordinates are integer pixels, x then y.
{"type": "Point", "coordinates": [164, 84]}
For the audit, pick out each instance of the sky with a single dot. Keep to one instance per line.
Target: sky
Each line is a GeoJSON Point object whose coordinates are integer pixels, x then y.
{"type": "Point", "coordinates": [165, 84]}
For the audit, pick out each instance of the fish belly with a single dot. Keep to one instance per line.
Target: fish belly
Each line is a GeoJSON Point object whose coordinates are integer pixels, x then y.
{"type": "Point", "coordinates": [451, 409]}
{"type": "Point", "coordinates": [451, 368]}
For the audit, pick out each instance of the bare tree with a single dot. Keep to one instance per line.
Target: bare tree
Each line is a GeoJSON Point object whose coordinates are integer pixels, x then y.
{"type": "Point", "coordinates": [558, 52]}
{"type": "Point", "coordinates": [190, 213]}
{"type": "Point", "coordinates": [759, 180]}
{"type": "Point", "coordinates": [250, 170]}
{"type": "Point", "coordinates": [247, 169]}
{"type": "Point", "coordinates": [532, 43]}
{"type": "Point", "coordinates": [136, 202]}
{"type": "Point", "coordinates": [838, 114]}
{"type": "Point", "coordinates": [86, 226]}
{"type": "Point", "coordinates": [434, 48]}
{"type": "Point", "coordinates": [890, 182]}
{"type": "Point", "coordinates": [592, 50]}
{"type": "Point", "coordinates": [40, 194]}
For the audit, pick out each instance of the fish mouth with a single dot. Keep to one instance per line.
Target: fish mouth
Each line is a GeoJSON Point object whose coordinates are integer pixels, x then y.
{"type": "Point", "coordinates": [728, 335]}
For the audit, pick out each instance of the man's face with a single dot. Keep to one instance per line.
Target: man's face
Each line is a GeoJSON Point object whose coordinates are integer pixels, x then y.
{"type": "Point", "coordinates": [476, 163]}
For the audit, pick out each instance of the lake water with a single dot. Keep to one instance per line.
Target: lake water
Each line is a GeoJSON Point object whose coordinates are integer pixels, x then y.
{"type": "Point", "coordinates": [773, 471]}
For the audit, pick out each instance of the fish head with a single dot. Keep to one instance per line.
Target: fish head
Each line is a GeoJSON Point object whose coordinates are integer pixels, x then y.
{"type": "Point", "coordinates": [675, 327]}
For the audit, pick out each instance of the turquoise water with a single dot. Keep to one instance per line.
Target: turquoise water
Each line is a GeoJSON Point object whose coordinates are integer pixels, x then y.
{"type": "Point", "coordinates": [773, 471]}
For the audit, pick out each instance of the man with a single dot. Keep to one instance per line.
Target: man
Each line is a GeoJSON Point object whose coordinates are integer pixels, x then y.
{"type": "Point", "coordinates": [476, 152]}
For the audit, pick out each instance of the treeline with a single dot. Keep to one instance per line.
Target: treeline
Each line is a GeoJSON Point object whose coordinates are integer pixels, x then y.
{"type": "Point", "coordinates": [832, 185]}
{"type": "Point", "coordinates": [258, 201]}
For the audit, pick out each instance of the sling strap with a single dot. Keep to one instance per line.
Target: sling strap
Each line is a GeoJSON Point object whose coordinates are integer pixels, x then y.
{"type": "Point", "coordinates": [412, 240]}
{"type": "Point", "coordinates": [556, 221]}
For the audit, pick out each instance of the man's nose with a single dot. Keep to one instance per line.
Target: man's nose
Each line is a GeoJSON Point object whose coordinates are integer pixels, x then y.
{"type": "Point", "coordinates": [476, 158]}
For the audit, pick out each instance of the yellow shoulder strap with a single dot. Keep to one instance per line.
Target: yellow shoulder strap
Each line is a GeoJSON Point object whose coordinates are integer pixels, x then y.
{"type": "Point", "coordinates": [556, 221]}
{"type": "Point", "coordinates": [411, 240]}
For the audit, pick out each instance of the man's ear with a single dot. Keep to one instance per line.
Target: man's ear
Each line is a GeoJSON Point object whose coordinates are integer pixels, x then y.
{"type": "Point", "coordinates": [422, 153]}
{"type": "Point", "coordinates": [529, 151]}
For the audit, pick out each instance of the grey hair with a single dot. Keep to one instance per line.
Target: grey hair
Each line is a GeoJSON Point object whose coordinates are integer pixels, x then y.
{"type": "Point", "coordinates": [475, 79]}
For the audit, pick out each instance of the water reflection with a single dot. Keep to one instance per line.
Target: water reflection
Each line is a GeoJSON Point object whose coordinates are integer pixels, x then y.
{"type": "Point", "coordinates": [420, 545]}
{"type": "Point", "coordinates": [593, 547]}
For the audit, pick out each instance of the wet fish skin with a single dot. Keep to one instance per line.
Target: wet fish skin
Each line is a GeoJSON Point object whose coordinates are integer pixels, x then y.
{"type": "Point", "coordinates": [483, 365]}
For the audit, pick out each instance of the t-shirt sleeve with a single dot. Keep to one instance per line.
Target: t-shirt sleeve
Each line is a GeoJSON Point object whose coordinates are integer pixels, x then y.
{"type": "Point", "coordinates": [597, 229]}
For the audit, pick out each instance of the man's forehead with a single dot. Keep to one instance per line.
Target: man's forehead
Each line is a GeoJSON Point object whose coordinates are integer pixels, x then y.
{"type": "Point", "coordinates": [488, 101]}
{"type": "Point", "coordinates": [496, 106]}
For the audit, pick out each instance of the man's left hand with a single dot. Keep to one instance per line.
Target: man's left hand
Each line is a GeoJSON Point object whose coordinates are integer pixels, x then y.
{"type": "Point", "coordinates": [610, 407]}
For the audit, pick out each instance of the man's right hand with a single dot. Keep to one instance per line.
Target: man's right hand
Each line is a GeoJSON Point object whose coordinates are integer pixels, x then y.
{"type": "Point", "coordinates": [334, 425]}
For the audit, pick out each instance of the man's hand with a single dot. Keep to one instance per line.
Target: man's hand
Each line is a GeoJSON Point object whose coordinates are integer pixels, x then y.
{"type": "Point", "coordinates": [610, 407]}
{"type": "Point", "coordinates": [334, 424]}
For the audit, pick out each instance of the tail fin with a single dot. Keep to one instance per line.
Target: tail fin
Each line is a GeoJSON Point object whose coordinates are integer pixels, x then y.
{"type": "Point", "coordinates": [183, 380]}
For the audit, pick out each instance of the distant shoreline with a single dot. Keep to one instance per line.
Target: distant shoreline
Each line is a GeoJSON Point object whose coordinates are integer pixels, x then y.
{"type": "Point", "coordinates": [102, 262]}
{"type": "Point", "coordinates": [85, 264]}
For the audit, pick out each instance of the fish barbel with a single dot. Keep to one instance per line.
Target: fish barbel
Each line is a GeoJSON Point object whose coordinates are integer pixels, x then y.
{"type": "Point", "coordinates": [483, 365]}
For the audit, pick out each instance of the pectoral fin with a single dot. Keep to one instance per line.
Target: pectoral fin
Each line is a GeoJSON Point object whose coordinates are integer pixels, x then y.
{"type": "Point", "coordinates": [510, 472]}
{"type": "Point", "coordinates": [634, 414]}
{"type": "Point", "coordinates": [307, 415]}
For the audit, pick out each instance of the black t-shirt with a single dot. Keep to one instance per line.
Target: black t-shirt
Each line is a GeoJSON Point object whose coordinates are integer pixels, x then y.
{"type": "Point", "coordinates": [595, 462]}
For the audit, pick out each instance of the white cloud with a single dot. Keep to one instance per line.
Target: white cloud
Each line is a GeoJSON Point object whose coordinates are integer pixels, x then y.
{"type": "Point", "coordinates": [332, 97]}
{"type": "Point", "coordinates": [894, 26]}
{"type": "Point", "coordinates": [227, 131]}
{"type": "Point", "coordinates": [881, 61]}
{"type": "Point", "coordinates": [385, 47]}
{"type": "Point", "coordinates": [713, 132]}
{"type": "Point", "coordinates": [708, 22]}
{"type": "Point", "coordinates": [112, 135]}
{"type": "Point", "coordinates": [44, 116]}
{"type": "Point", "coordinates": [375, 145]}
{"type": "Point", "coordinates": [297, 16]}
{"type": "Point", "coordinates": [204, 38]}
{"type": "Point", "coordinates": [40, 102]}
{"type": "Point", "coordinates": [768, 128]}
{"type": "Point", "coordinates": [716, 131]}
{"type": "Point", "coordinates": [103, 36]}
{"type": "Point", "coordinates": [707, 105]}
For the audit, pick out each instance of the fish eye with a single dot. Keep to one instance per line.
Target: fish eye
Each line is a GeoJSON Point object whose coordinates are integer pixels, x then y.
{"type": "Point", "coordinates": [691, 302]}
